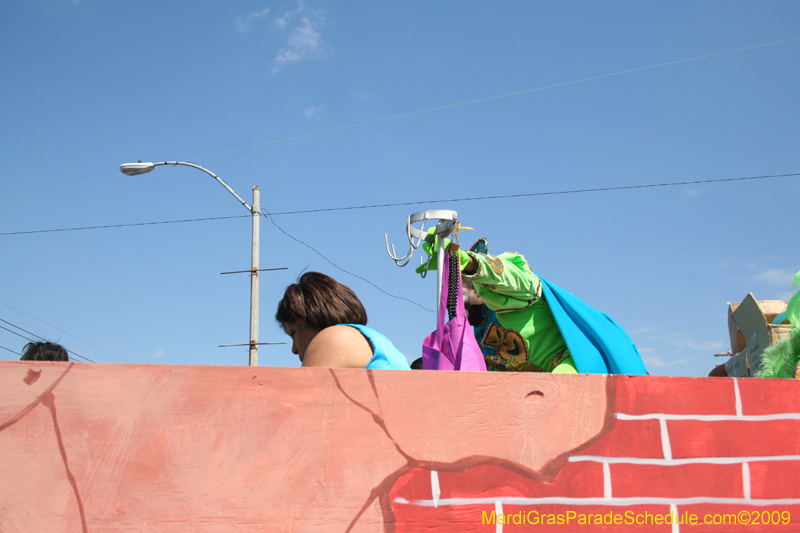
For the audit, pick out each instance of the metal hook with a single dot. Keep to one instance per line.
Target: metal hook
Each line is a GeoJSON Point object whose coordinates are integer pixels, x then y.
{"type": "Point", "coordinates": [446, 222]}
{"type": "Point", "coordinates": [409, 227]}
{"type": "Point", "coordinates": [392, 253]}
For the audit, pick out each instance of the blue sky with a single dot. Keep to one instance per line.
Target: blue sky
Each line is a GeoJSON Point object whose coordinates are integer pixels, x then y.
{"type": "Point", "coordinates": [240, 87]}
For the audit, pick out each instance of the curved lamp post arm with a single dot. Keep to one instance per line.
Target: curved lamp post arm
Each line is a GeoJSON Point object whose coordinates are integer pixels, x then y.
{"type": "Point", "coordinates": [134, 169]}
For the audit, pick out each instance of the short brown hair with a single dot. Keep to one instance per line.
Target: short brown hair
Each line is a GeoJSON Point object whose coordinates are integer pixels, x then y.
{"type": "Point", "coordinates": [319, 301]}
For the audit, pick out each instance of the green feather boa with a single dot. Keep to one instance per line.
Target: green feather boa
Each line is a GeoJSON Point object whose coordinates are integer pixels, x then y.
{"type": "Point", "coordinates": [780, 359]}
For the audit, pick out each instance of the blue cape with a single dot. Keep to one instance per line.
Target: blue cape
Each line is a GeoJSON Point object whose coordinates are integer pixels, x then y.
{"type": "Point", "coordinates": [598, 344]}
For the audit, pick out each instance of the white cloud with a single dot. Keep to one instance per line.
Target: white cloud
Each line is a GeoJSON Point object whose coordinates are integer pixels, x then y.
{"type": "Point", "coordinates": [691, 193]}
{"type": "Point", "coordinates": [312, 111]}
{"type": "Point", "coordinates": [243, 23]}
{"type": "Point", "coordinates": [680, 340]}
{"type": "Point", "coordinates": [653, 360]}
{"type": "Point", "coordinates": [642, 331]}
{"type": "Point", "coordinates": [304, 40]}
{"type": "Point", "coordinates": [708, 346]}
{"type": "Point", "coordinates": [363, 95]}
{"type": "Point", "coordinates": [159, 353]}
{"type": "Point", "coordinates": [283, 21]}
{"type": "Point", "coordinates": [776, 276]}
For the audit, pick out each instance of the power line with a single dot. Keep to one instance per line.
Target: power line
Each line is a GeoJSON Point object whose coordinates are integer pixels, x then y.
{"type": "Point", "coordinates": [125, 225]}
{"type": "Point", "coordinates": [67, 332]}
{"type": "Point", "coordinates": [269, 216]}
{"type": "Point", "coordinates": [15, 333]}
{"type": "Point", "coordinates": [205, 219]}
{"type": "Point", "coordinates": [266, 215]}
{"type": "Point", "coordinates": [76, 354]}
{"type": "Point", "coordinates": [441, 108]}
{"type": "Point", "coordinates": [71, 352]}
{"type": "Point", "coordinates": [19, 328]}
{"type": "Point", "coordinates": [9, 349]}
{"type": "Point", "coordinates": [526, 195]}
{"type": "Point", "coordinates": [420, 202]}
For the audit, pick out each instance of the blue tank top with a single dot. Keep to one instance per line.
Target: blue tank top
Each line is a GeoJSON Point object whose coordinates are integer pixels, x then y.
{"type": "Point", "coordinates": [384, 354]}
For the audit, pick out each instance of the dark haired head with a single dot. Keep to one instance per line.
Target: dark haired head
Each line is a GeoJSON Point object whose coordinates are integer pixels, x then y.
{"type": "Point", "coordinates": [319, 301]}
{"type": "Point", "coordinates": [44, 351]}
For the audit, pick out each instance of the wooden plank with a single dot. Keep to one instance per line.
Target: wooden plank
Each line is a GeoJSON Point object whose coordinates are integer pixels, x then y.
{"type": "Point", "coordinates": [102, 447]}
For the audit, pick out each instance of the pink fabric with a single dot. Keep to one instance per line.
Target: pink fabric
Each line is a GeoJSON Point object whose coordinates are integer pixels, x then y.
{"type": "Point", "coordinates": [452, 346]}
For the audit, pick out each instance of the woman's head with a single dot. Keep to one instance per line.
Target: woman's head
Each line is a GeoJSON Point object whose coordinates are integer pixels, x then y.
{"type": "Point", "coordinates": [319, 301]}
{"type": "Point", "coordinates": [314, 303]}
{"type": "Point", "coordinates": [44, 351]}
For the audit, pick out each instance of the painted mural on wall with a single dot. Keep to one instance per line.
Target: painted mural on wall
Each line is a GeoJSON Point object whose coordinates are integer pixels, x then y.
{"type": "Point", "coordinates": [94, 447]}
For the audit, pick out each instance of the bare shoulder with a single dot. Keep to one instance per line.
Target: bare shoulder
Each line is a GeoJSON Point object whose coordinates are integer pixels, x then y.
{"type": "Point", "coordinates": [338, 347]}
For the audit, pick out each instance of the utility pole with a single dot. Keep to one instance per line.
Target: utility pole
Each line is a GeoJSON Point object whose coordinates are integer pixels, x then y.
{"type": "Point", "coordinates": [135, 169]}
{"type": "Point", "coordinates": [256, 210]}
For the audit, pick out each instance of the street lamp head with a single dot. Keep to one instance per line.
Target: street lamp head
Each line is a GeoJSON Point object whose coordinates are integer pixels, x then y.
{"type": "Point", "coordinates": [134, 169]}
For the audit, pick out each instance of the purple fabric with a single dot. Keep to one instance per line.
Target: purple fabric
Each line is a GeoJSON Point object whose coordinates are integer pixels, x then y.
{"type": "Point", "coordinates": [452, 346]}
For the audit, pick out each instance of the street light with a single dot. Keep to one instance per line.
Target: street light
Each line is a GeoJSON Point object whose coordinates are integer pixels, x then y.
{"type": "Point", "coordinates": [135, 169]}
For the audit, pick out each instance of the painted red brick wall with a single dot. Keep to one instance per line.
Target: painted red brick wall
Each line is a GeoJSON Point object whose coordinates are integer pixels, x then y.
{"type": "Point", "coordinates": [704, 446]}
{"type": "Point", "coordinates": [95, 447]}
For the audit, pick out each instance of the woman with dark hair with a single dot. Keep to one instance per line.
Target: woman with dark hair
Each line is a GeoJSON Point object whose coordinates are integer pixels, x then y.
{"type": "Point", "coordinates": [44, 351]}
{"type": "Point", "coordinates": [328, 327]}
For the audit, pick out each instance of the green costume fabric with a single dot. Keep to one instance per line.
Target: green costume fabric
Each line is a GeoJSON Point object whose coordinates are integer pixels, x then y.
{"type": "Point", "coordinates": [780, 360]}
{"type": "Point", "coordinates": [527, 337]}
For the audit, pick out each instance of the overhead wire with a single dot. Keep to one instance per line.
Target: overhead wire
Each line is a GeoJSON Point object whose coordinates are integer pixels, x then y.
{"type": "Point", "coordinates": [488, 98]}
{"type": "Point", "coordinates": [125, 225]}
{"type": "Point", "coordinates": [417, 202]}
{"type": "Point", "coordinates": [21, 329]}
{"type": "Point", "coordinates": [9, 349]}
{"type": "Point", "coordinates": [440, 108]}
{"type": "Point", "coordinates": [526, 195]}
{"type": "Point", "coordinates": [269, 216]}
{"type": "Point", "coordinates": [71, 352]}
{"type": "Point", "coordinates": [266, 215]}
{"type": "Point", "coordinates": [15, 333]}
{"type": "Point", "coordinates": [66, 332]}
